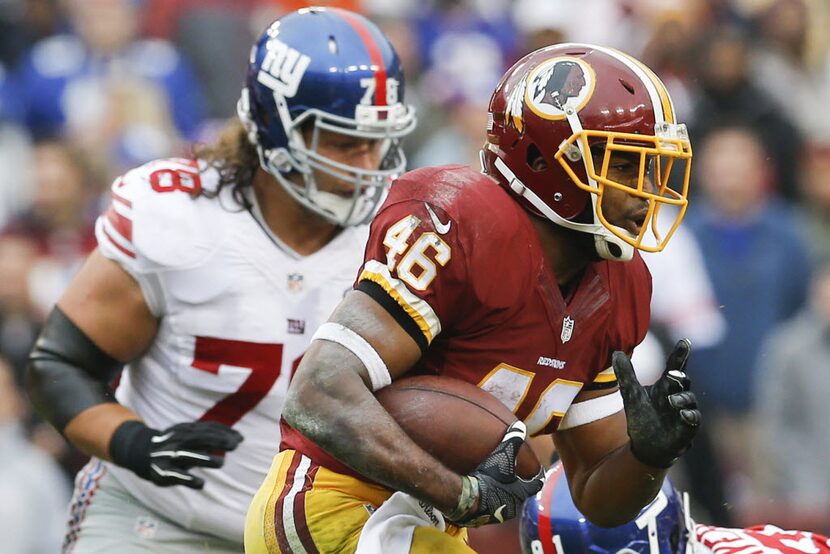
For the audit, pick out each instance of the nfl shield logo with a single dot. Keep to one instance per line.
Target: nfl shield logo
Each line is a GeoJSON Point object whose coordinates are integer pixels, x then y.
{"type": "Point", "coordinates": [295, 282]}
{"type": "Point", "coordinates": [567, 329]}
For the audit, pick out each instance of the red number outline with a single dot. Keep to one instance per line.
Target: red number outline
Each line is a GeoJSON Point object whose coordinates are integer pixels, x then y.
{"type": "Point", "coordinates": [264, 360]}
{"type": "Point", "coordinates": [169, 179]}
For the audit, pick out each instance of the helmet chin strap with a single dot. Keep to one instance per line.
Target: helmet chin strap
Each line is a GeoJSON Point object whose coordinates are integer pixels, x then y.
{"type": "Point", "coordinates": [608, 246]}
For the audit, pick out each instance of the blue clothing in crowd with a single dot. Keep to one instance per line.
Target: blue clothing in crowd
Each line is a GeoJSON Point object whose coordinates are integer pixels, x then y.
{"type": "Point", "coordinates": [760, 272]}
{"type": "Point", "coordinates": [47, 74]}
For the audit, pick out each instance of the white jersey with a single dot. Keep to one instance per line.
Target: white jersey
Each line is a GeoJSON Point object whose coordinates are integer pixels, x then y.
{"type": "Point", "coordinates": [236, 312]}
{"type": "Point", "coordinates": [761, 539]}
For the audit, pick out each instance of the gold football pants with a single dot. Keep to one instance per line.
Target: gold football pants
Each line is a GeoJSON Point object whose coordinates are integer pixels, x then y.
{"type": "Point", "coordinates": [304, 508]}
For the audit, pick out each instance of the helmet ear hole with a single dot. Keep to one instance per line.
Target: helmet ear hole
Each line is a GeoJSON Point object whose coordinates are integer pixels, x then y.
{"type": "Point", "coordinates": [614, 250]}
{"type": "Point", "coordinates": [535, 160]}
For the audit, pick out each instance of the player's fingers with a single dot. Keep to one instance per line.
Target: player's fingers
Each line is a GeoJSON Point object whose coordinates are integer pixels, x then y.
{"type": "Point", "coordinates": [206, 460]}
{"type": "Point", "coordinates": [186, 459]}
{"type": "Point", "coordinates": [683, 400]}
{"type": "Point", "coordinates": [630, 387]}
{"type": "Point", "coordinates": [516, 431]}
{"type": "Point", "coordinates": [676, 381]}
{"type": "Point", "coordinates": [513, 439]}
{"type": "Point", "coordinates": [213, 437]}
{"type": "Point", "coordinates": [679, 356]}
{"type": "Point", "coordinates": [691, 417]}
{"type": "Point", "coordinates": [167, 477]}
{"type": "Point", "coordinates": [534, 485]}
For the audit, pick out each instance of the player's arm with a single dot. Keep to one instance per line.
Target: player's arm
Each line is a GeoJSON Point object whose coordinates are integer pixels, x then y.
{"type": "Point", "coordinates": [616, 464]}
{"type": "Point", "coordinates": [413, 282]}
{"type": "Point", "coordinates": [330, 401]}
{"type": "Point", "coordinates": [101, 321]}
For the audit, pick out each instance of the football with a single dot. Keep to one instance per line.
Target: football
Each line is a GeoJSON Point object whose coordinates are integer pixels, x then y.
{"type": "Point", "coordinates": [455, 421]}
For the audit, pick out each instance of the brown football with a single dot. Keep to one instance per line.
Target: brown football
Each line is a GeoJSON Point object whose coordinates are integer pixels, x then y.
{"type": "Point", "coordinates": [455, 421]}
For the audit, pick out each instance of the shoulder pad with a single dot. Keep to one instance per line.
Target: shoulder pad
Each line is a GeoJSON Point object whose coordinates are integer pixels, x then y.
{"type": "Point", "coordinates": [157, 220]}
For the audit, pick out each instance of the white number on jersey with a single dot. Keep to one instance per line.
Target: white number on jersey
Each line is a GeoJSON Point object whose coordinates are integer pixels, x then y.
{"type": "Point", "coordinates": [415, 268]}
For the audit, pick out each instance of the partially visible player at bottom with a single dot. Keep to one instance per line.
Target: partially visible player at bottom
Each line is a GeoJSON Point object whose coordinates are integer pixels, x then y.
{"type": "Point", "coordinates": [210, 275]}
{"type": "Point", "coordinates": [551, 524]}
{"type": "Point", "coordinates": [524, 280]}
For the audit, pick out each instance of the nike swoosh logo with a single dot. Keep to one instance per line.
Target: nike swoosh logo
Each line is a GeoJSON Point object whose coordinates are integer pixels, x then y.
{"type": "Point", "coordinates": [442, 228]}
{"type": "Point", "coordinates": [161, 438]}
{"type": "Point", "coordinates": [497, 513]}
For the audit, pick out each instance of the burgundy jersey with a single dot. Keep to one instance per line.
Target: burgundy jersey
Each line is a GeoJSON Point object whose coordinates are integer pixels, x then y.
{"type": "Point", "coordinates": [459, 265]}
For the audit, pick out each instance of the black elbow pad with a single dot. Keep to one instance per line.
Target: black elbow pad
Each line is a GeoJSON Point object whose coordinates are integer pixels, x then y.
{"type": "Point", "coordinates": [67, 372]}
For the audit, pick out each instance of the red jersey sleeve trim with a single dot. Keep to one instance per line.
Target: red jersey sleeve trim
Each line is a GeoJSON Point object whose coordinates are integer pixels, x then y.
{"type": "Point", "coordinates": [114, 243]}
{"type": "Point", "coordinates": [120, 223]}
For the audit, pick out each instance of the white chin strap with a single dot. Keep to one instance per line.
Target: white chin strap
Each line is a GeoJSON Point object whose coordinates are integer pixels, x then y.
{"type": "Point", "coordinates": [608, 246]}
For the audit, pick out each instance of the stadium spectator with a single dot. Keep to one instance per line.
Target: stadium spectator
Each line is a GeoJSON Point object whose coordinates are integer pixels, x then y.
{"type": "Point", "coordinates": [792, 441]}
{"type": "Point", "coordinates": [32, 486]}
{"type": "Point", "coordinates": [209, 277]}
{"type": "Point", "coordinates": [458, 138]}
{"type": "Point", "coordinates": [791, 64]}
{"type": "Point", "coordinates": [814, 208]}
{"type": "Point", "coordinates": [194, 26]}
{"type": "Point", "coordinates": [511, 280]}
{"type": "Point", "coordinates": [609, 22]}
{"type": "Point", "coordinates": [67, 79]}
{"type": "Point", "coordinates": [759, 267]}
{"type": "Point", "coordinates": [59, 220]}
{"type": "Point", "coordinates": [726, 92]}
{"type": "Point", "coordinates": [20, 319]}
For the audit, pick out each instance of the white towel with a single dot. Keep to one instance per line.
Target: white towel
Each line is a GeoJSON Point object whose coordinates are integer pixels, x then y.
{"type": "Point", "coordinates": [390, 527]}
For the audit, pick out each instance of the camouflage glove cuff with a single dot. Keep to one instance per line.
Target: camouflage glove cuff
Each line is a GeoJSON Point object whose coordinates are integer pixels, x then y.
{"type": "Point", "coordinates": [469, 495]}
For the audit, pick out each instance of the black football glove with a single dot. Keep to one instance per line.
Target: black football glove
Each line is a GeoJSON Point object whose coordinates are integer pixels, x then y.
{"type": "Point", "coordinates": [164, 457]}
{"type": "Point", "coordinates": [500, 492]}
{"type": "Point", "coordinates": [662, 418]}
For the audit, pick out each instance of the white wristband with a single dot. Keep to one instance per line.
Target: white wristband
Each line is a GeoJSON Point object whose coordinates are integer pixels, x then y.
{"type": "Point", "coordinates": [357, 345]}
{"type": "Point", "coordinates": [591, 410]}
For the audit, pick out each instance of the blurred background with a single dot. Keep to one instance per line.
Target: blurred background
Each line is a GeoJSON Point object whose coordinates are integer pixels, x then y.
{"type": "Point", "coordinates": [90, 88]}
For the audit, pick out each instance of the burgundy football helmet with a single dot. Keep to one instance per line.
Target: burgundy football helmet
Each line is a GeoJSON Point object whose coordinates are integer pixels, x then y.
{"type": "Point", "coordinates": [556, 119]}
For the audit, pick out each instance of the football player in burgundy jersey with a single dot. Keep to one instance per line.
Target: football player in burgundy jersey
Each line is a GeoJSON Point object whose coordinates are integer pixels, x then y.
{"type": "Point", "coordinates": [209, 278]}
{"type": "Point", "coordinates": [551, 524]}
{"type": "Point", "coordinates": [524, 279]}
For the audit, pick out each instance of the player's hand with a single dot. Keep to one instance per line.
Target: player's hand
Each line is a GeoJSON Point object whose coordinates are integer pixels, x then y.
{"type": "Point", "coordinates": [165, 457]}
{"type": "Point", "coordinates": [662, 418]}
{"type": "Point", "coordinates": [493, 493]}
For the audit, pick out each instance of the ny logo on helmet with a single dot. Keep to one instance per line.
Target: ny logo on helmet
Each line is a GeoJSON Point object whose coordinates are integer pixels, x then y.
{"type": "Point", "coordinates": [282, 68]}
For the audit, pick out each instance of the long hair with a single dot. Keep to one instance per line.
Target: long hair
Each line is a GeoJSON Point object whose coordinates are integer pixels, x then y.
{"type": "Point", "coordinates": [235, 158]}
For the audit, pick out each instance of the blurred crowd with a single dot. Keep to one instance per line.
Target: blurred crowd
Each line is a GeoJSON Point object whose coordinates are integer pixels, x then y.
{"type": "Point", "coordinates": [91, 88]}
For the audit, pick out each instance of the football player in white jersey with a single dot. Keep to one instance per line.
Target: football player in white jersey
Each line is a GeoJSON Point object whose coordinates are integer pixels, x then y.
{"type": "Point", "coordinates": [210, 276]}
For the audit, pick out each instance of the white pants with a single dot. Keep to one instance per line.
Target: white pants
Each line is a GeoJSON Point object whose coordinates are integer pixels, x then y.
{"type": "Point", "coordinates": [104, 517]}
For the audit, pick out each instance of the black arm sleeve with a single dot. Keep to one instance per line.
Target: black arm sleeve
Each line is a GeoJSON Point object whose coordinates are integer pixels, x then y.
{"type": "Point", "coordinates": [67, 372]}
